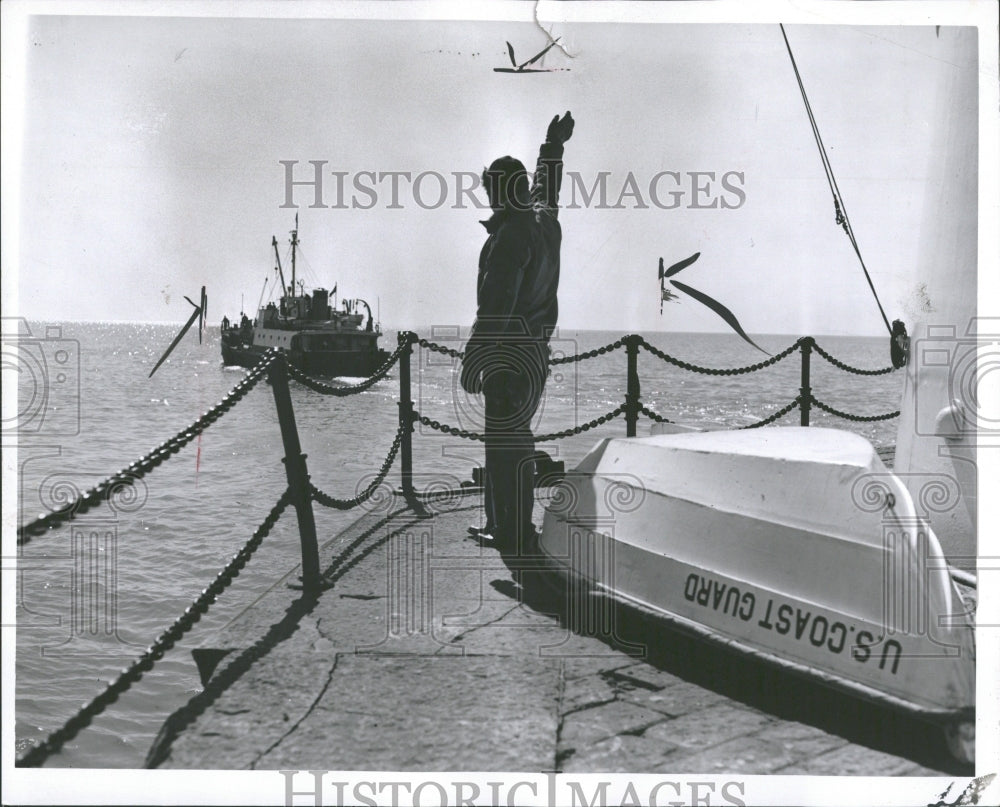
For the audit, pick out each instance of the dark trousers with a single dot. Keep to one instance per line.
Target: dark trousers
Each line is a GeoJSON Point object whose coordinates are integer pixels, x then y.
{"type": "Point", "coordinates": [513, 387]}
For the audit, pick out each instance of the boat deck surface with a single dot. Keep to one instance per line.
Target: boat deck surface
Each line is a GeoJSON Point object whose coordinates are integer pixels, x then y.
{"type": "Point", "coordinates": [426, 651]}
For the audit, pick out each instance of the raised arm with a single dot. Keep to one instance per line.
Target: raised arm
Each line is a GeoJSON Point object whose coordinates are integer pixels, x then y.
{"type": "Point", "coordinates": [548, 171]}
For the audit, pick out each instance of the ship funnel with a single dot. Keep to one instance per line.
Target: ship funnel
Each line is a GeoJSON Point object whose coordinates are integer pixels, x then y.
{"type": "Point", "coordinates": [320, 304]}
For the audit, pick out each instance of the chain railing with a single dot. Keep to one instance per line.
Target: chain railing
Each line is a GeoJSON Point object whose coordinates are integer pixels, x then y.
{"type": "Point", "coordinates": [633, 405]}
{"type": "Point", "coordinates": [342, 391]}
{"type": "Point", "coordinates": [855, 418]}
{"type": "Point", "coordinates": [776, 416]}
{"type": "Point", "coordinates": [848, 368]}
{"type": "Point", "coordinates": [539, 438]}
{"type": "Point", "coordinates": [804, 400]}
{"type": "Point", "coordinates": [142, 665]}
{"type": "Point", "coordinates": [750, 368]}
{"type": "Point", "coordinates": [301, 492]}
{"type": "Point", "coordinates": [589, 354]}
{"type": "Point", "coordinates": [145, 464]}
{"type": "Point", "coordinates": [347, 504]}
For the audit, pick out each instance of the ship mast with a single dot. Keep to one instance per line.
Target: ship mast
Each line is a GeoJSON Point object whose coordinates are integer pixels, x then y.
{"type": "Point", "coordinates": [295, 241]}
{"type": "Point", "coordinates": [277, 257]}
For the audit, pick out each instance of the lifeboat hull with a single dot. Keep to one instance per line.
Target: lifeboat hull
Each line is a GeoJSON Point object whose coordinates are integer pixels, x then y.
{"type": "Point", "coordinates": [795, 545]}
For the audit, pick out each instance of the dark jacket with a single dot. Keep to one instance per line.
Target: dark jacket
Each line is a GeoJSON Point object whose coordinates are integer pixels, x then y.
{"type": "Point", "coordinates": [519, 264]}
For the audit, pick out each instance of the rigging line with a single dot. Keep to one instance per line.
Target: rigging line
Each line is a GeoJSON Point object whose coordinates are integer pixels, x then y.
{"type": "Point", "coordinates": [838, 200]}
{"type": "Point", "coordinates": [827, 169]}
{"type": "Point", "coordinates": [306, 266]}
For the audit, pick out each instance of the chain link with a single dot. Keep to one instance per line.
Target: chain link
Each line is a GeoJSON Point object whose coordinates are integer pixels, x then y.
{"type": "Point", "coordinates": [467, 435]}
{"type": "Point", "coordinates": [142, 466]}
{"type": "Point", "coordinates": [712, 371]}
{"type": "Point", "coordinates": [452, 430]}
{"type": "Point", "coordinates": [586, 427]}
{"type": "Point", "coordinates": [37, 755]}
{"type": "Point", "coordinates": [651, 414]}
{"type": "Point", "coordinates": [346, 504]}
{"type": "Point", "coordinates": [447, 351]}
{"type": "Point", "coordinates": [857, 371]}
{"type": "Point", "coordinates": [856, 418]}
{"type": "Point", "coordinates": [777, 415]}
{"type": "Point", "coordinates": [331, 389]}
{"type": "Point", "coordinates": [590, 354]}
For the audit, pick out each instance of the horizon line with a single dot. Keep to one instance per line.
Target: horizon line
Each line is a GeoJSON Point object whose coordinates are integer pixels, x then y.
{"type": "Point", "coordinates": [426, 327]}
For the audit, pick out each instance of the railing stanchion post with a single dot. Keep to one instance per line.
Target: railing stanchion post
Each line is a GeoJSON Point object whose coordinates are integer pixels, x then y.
{"type": "Point", "coordinates": [297, 474]}
{"type": "Point", "coordinates": [805, 391]}
{"type": "Point", "coordinates": [632, 388]}
{"type": "Point", "coordinates": [406, 416]}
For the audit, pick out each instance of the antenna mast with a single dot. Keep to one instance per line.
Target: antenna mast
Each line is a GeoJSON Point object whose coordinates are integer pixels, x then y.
{"type": "Point", "coordinates": [295, 242]}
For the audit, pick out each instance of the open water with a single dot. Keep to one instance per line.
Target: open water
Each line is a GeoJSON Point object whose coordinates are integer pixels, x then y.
{"type": "Point", "coordinates": [92, 595]}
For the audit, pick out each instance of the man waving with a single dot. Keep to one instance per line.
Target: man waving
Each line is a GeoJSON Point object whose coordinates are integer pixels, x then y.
{"type": "Point", "coordinates": [506, 357]}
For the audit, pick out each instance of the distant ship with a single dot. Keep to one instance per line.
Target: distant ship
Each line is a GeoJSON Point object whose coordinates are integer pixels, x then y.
{"type": "Point", "coordinates": [319, 339]}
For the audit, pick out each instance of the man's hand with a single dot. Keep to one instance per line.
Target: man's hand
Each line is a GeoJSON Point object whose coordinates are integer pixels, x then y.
{"type": "Point", "coordinates": [560, 130]}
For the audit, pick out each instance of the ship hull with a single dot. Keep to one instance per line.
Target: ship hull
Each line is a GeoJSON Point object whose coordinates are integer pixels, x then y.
{"type": "Point", "coordinates": [327, 364]}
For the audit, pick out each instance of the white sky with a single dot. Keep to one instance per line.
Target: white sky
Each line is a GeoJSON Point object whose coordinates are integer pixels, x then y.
{"type": "Point", "coordinates": [152, 146]}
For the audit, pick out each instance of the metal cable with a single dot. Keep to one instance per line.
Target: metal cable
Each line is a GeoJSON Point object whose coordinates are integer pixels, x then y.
{"type": "Point", "coordinates": [838, 199]}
